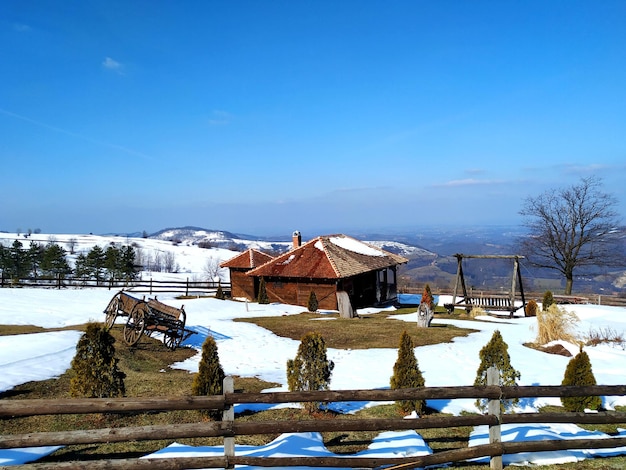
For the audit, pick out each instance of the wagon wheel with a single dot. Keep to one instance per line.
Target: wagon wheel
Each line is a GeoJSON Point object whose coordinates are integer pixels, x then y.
{"type": "Point", "coordinates": [111, 312]}
{"type": "Point", "coordinates": [135, 325]}
{"type": "Point", "coordinates": [171, 339]}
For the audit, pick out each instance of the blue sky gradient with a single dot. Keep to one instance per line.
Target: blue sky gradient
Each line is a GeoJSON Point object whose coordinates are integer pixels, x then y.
{"type": "Point", "coordinates": [263, 117]}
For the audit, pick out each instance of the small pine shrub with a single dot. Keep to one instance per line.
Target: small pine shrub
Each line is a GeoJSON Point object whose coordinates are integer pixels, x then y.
{"type": "Point", "coordinates": [210, 377]}
{"type": "Point", "coordinates": [219, 294]}
{"type": "Point", "coordinates": [548, 300]}
{"type": "Point", "coordinates": [95, 372]}
{"type": "Point", "coordinates": [496, 353]}
{"type": "Point", "coordinates": [312, 303]}
{"type": "Point", "coordinates": [311, 369]}
{"type": "Point", "coordinates": [407, 374]}
{"type": "Point", "coordinates": [427, 297]}
{"type": "Point", "coordinates": [531, 308]}
{"type": "Point", "coordinates": [578, 372]}
{"type": "Point", "coordinates": [556, 324]}
{"type": "Point", "coordinates": [263, 298]}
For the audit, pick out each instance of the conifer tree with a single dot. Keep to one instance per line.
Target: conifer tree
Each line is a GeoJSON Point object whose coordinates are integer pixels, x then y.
{"type": "Point", "coordinates": [54, 262]}
{"type": "Point", "coordinates": [548, 299]}
{"type": "Point", "coordinates": [496, 353]}
{"type": "Point", "coordinates": [578, 372]}
{"type": "Point", "coordinates": [210, 377]}
{"type": "Point", "coordinates": [219, 293]}
{"type": "Point", "coordinates": [406, 374]}
{"type": "Point", "coordinates": [311, 369]}
{"type": "Point", "coordinates": [312, 303]}
{"type": "Point", "coordinates": [95, 372]}
{"type": "Point", "coordinates": [263, 298]}
{"type": "Point", "coordinates": [427, 297]}
{"type": "Point", "coordinates": [426, 309]}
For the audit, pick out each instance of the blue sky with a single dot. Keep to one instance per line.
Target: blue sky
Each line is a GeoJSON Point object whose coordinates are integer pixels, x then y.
{"type": "Point", "coordinates": [263, 117]}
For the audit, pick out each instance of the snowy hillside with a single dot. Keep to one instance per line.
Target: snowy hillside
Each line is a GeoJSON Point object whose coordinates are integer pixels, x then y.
{"type": "Point", "coordinates": [223, 239]}
{"type": "Point", "coordinates": [194, 250]}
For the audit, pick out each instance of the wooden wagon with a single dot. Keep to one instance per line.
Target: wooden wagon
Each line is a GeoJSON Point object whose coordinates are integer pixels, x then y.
{"type": "Point", "coordinates": [146, 317]}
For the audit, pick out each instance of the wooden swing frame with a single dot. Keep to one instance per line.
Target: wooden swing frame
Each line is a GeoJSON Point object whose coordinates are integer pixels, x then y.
{"type": "Point", "coordinates": [488, 302]}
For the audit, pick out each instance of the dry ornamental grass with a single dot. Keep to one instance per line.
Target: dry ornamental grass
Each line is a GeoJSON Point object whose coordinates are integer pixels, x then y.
{"type": "Point", "coordinates": [556, 324]}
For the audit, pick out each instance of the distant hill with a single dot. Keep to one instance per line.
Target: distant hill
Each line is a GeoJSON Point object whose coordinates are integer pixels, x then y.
{"type": "Point", "coordinates": [431, 256]}
{"type": "Point", "coordinates": [430, 252]}
{"type": "Point", "coordinates": [236, 242]}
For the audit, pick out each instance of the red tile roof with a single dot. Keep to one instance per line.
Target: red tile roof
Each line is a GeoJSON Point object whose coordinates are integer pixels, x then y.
{"type": "Point", "coordinates": [329, 257]}
{"type": "Point", "coordinates": [250, 258]}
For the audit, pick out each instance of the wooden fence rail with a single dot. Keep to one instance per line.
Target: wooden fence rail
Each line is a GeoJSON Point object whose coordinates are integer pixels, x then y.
{"type": "Point", "coordinates": [150, 286]}
{"type": "Point", "coordinates": [229, 427]}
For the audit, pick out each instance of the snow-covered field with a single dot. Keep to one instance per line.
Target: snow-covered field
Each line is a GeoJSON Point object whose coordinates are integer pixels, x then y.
{"type": "Point", "coordinates": [248, 350]}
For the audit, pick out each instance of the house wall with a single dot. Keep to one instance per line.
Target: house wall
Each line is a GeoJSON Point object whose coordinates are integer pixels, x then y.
{"type": "Point", "coordinates": [297, 292]}
{"type": "Point", "coordinates": [242, 286]}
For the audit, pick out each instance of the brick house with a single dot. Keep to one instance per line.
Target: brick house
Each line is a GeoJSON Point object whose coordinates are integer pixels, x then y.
{"type": "Point", "coordinates": [335, 267]}
{"type": "Point", "coordinates": [243, 286]}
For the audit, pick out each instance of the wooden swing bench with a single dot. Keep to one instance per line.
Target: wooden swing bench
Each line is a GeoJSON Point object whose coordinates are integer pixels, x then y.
{"type": "Point", "coordinates": [487, 303]}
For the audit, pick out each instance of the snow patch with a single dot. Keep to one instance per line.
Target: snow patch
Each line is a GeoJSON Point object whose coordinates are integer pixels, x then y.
{"type": "Point", "coordinates": [355, 246]}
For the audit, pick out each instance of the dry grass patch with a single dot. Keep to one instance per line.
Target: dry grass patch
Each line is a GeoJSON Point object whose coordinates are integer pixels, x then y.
{"type": "Point", "coordinates": [369, 331]}
{"type": "Point", "coordinates": [7, 330]}
{"type": "Point", "coordinates": [556, 324]}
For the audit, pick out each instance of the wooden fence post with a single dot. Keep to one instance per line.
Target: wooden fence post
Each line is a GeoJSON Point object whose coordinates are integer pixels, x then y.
{"type": "Point", "coordinates": [187, 288]}
{"type": "Point", "coordinates": [150, 286]}
{"type": "Point", "coordinates": [493, 408]}
{"type": "Point", "coordinates": [228, 417]}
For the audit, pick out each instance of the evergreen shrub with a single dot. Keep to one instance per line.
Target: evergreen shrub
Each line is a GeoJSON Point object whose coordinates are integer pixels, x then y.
{"type": "Point", "coordinates": [312, 303]}
{"type": "Point", "coordinates": [262, 297]}
{"type": "Point", "coordinates": [427, 297]}
{"type": "Point", "coordinates": [95, 372]}
{"type": "Point", "coordinates": [219, 294]}
{"type": "Point", "coordinates": [310, 369]}
{"type": "Point", "coordinates": [496, 353]}
{"type": "Point", "coordinates": [548, 300]}
{"type": "Point", "coordinates": [579, 372]}
{"type": "Point", "coordinates": [407, 374]}
{"type": "Point", "coordinates": [210, 377]}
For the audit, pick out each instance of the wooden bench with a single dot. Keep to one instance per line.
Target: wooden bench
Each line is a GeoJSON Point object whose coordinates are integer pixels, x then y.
{"type": "Point", "coordinates": [487, 303]}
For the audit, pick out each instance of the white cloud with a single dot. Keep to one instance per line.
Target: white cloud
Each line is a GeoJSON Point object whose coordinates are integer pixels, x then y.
{"type": "Point", "coordinates": [112, 64]}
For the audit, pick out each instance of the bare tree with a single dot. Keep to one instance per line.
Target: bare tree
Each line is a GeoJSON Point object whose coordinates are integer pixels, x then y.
{"type": "Point", "coordinates": [71, 244]}
{"type": "Point", "coordinates": [570, 228]}
{"type": "Point", "coordinates": [212, 269]}
{"type": "Point", "coordinates": [169, 262]}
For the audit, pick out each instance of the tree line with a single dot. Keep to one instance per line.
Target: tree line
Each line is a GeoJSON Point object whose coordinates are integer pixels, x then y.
{"type": "Point", "coordinates": [50, 260]}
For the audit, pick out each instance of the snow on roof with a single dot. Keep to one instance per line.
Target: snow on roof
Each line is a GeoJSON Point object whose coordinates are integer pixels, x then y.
{"type": "Point", "coordinates": [356, 246]}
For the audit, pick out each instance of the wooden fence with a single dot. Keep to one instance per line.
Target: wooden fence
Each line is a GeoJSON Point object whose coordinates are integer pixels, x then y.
{"type": "Point", "coordinates": [150, 286]}
{"type": "Point", "coordinates": [229, 427]}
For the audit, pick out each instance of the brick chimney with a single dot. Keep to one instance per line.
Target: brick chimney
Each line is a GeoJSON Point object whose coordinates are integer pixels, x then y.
{"type": "Point", "coordinates": [297, 239]}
